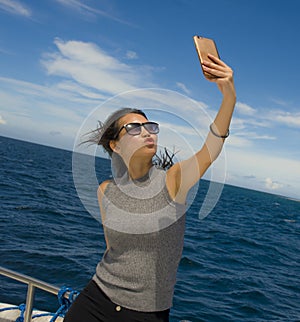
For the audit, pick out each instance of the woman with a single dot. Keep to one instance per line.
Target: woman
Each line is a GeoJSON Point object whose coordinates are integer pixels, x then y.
{"type": "Point", "coordinates": [143, 214]}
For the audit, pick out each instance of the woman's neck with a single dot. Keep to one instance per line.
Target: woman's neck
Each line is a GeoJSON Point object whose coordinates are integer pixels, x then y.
{"type": "Point", "coordinates": [138, 170]}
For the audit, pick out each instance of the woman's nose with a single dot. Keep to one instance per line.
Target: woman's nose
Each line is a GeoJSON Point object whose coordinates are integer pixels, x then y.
{"type": "Point", "coordinates": [144, 132]}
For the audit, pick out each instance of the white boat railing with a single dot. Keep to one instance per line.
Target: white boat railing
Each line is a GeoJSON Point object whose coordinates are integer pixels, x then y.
{"type": "Point", "coordinates": [32, 283]}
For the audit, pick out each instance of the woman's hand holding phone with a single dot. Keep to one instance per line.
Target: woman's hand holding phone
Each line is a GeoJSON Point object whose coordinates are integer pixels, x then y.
{"type": "Point", "coordinates": [213, 68]}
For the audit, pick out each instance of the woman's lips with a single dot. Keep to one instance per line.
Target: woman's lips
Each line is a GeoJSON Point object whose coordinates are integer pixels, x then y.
{"type": "Point", "coordinates": [149, 141]}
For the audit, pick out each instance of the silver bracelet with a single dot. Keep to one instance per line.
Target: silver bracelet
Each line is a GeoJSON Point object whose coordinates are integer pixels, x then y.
{"type": "Point", "coordinates": [217, 135]}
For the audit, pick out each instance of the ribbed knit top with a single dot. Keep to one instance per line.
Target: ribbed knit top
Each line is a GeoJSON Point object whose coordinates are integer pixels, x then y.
{"type": "Point", "coordinates": [145, 231]}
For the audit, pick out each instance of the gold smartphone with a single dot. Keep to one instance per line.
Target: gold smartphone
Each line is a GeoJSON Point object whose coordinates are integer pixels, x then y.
{"type": "Point", "coordinates": [205, 46]}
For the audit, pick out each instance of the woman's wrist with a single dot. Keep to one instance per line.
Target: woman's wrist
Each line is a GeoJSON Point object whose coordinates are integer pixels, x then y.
{"type": "Point", "coordinates": [228, 91]}
{"type": "Point", "coordinates": [229, 96]}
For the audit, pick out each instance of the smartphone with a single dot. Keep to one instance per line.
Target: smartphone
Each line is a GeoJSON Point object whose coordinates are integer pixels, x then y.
{"type": "Point", "coordinates": [205, 46]}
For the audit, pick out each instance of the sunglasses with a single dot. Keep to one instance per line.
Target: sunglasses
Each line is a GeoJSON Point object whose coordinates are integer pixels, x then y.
{"type": "Point", "coordinates": [136, 128]}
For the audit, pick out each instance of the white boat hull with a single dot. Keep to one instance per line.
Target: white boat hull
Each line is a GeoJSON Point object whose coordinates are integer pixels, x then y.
{"type": "Point", "coordinates": [13, 313]}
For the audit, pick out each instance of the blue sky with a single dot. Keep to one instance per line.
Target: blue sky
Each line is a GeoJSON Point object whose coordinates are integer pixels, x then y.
{"type": "Point", "coordinates": [64, 61]}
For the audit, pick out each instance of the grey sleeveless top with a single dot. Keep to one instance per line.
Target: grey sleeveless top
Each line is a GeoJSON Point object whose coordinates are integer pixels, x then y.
{"type": "Point", "coordinates": [145, 231]}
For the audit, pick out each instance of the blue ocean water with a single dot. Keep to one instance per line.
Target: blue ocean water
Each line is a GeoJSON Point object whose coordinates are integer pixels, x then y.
{"type": "Point", "coordinates": [241, 263]}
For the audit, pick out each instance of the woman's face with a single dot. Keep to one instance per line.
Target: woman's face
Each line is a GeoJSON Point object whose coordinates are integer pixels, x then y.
{"type": "Point", "coordinates": [143, 145]}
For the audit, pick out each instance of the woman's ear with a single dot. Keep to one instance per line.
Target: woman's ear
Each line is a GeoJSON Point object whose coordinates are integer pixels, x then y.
{"type": "Point", "coordinates": [114, 146]}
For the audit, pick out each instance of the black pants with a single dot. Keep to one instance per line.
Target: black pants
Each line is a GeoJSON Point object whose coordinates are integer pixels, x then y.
{"type": "Point", "coordinates": [92, 305]}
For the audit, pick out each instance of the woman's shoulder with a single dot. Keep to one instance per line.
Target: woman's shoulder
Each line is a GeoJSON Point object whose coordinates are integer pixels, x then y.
{"type": "Point", "coordinates": [102, 187]}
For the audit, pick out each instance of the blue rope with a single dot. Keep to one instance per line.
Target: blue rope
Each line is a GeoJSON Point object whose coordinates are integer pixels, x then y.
{"type": "Point", "coordinates": [22, 308]}
{"type": "Point", "coordinates": [9, 308]}
{"type": "Point", "coordinates": [42, 314]}
{"type": "Point", "coordinates": [65, 304]}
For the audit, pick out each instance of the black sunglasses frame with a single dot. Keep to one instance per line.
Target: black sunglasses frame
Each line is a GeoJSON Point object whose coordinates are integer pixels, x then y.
{"type": "Point", "coordinates": [136, 124]}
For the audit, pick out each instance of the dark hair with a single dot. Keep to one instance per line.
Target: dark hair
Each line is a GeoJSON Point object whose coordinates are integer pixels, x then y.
{"type": "Point", "coordinates": [107, 131]}
{"type": "Point", "coordinates": [165, 159]}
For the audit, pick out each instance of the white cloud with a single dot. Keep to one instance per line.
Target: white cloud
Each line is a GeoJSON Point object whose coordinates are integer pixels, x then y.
{"type": "Point", "coordinates": [284, 172]}
{"type": "Point", "coordinates": [54, 133]}
{"type": "Point", "coordinates": [183, 88]}
{"type": "Point", "coordinates": [251, 135]}
{"type": "Point", "coordinates": [2, 121]}
{"type": "Point", "coordinates": [279, 101]}
{"type": "Point", "coordinates": [16, 93]}
{"type": "Point", "coordinates": [245, 130]}
{"type": "Point", "coordinates": [266, 118]}
{"type": "Point", "coordinates": [15, 7]}
{"type": "Point", "coordinates": [131, 54]}
{"type": "Point", "coordinates": [245, 108]}
{"type": "Point", "coordinates": [260, 121]}
{"type": "Point", "coordinates": [238, 141]}
{"type": "Point", "coordinates": [186, 130]}
{"type": "Point", "coordinates": [288, 118]}
{"type": "Point", "coordinates": [73, 88]}
{"type": "Point", "coordinates": [39, 109]}
{"type": "Point", "coordinates": [272, 185]}
{"type": "Point", "coordinates": [86, 10]}
{"type": "Point", "coordinates": [89, 65]}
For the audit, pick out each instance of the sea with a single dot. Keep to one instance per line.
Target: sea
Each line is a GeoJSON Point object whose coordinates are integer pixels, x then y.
{"type": "Point", "coordinates": [240, 263]}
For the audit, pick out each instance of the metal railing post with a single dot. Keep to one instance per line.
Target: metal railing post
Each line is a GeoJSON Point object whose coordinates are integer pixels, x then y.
{"type": "Point", "coordinates": [32, 283]}
{"type": "Point", "coordinates": [29, 302]}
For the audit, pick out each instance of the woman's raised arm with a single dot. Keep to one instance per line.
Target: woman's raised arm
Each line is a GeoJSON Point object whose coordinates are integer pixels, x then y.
{"type": "Point", "coordinates": [183, 175]}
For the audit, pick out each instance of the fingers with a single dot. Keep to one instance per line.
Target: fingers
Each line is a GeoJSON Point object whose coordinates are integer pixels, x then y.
{"type": "Point", "coordinates": [217, 60]}
{"type": "Point", "coordinates": [217, 71]}
{"type": "Point", "coordinates": [217, 67]}
{"type": "Point", "coordinates": [214, 62]}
